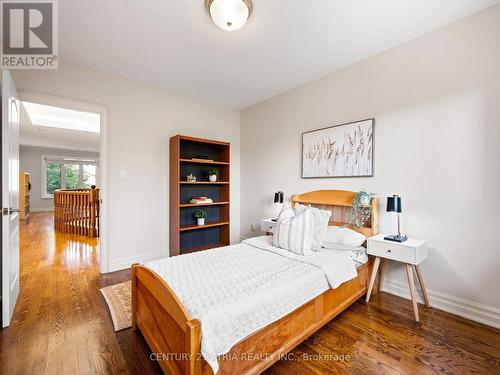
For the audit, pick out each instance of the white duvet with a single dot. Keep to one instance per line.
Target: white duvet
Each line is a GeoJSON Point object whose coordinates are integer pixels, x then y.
{"type": "Point", "coordinates": [236, 290]}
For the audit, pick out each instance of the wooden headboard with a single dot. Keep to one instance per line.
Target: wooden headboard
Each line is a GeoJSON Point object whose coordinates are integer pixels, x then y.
{"type": "Point", "coordinates": [339, 202]}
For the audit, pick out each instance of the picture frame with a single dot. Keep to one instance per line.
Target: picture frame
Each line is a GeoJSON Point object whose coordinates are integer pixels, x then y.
{"type": "Point", "coordinates": [339, 151]}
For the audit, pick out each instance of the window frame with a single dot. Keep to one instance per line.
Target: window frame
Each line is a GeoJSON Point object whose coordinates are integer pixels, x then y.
{"type": "Point", "coordinates": [62, 160]}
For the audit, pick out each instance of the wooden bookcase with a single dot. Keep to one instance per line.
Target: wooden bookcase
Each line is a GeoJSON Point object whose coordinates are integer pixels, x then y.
{"type": "Point", "coordinates": [195, 156]}
{"type": "Point", "coordinates": [24, 195]}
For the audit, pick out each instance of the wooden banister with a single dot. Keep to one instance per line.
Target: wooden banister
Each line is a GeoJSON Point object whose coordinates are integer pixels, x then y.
{"type": "Point", "coordinates": [77, 211]}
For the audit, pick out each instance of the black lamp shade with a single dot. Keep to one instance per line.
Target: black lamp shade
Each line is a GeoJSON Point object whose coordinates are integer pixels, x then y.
{"type": "Point", "coordinates": [394, 204]}
{"type": "Point", "coordinates": [278, 197]}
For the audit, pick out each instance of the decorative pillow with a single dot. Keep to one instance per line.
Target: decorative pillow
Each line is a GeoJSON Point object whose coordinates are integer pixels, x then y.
{"type": "Point", "coordinates": [340, 238]}
{"type": "Point", "coordinates": [294, 232]}
{"type": "Point", "coordinates": [359, 255]}
{"type": "Point", "coordinates": [320, 224]}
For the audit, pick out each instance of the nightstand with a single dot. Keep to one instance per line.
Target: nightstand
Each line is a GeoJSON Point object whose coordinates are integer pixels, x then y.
{"type": "Point", "coordinates": [267, 225]}
{"type": "Point", "coordinates": [411, 253]}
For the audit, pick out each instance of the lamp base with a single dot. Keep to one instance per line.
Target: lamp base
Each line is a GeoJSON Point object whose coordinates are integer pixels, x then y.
{"type": "Point", "coordinates": [396, 238]}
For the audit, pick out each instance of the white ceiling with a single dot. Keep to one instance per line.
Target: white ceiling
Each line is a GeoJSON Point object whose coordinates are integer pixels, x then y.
{"type": "Point", "coordinates": [50, 137]}
{"type": "Point", "coordinates": [173, 44]}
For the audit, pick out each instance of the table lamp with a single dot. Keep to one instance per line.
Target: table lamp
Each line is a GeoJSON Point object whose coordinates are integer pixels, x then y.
{"type": "Point", "coordinates": [394, 205]}
{"type": "Point", "coordinates": [278, 199]}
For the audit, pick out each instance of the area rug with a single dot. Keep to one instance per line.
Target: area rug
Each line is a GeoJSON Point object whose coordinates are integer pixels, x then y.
{"type": "Point", "coordinates": [119, 300]}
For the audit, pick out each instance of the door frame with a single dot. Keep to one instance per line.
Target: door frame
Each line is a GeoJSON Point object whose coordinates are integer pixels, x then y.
{"type": "Point", "coordinates": [102, 110]}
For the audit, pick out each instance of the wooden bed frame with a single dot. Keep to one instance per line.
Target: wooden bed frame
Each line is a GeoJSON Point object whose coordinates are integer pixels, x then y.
{"type": "Point", "coordinates": [175, 338]}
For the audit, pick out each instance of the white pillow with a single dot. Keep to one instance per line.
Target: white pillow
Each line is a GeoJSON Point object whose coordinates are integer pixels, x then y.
{"type": "Point", "coordinates": [339, 238]}
{"type": "Point", "coordinates": [294, 232]}
{"type": "Point", "coordinates": [320, 224]}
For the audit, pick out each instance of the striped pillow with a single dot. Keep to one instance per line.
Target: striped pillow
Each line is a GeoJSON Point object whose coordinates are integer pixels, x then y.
{"type": "Point", "coordinates": [294, 232]}
{"type": "Point", "coordinates": [320, 224]}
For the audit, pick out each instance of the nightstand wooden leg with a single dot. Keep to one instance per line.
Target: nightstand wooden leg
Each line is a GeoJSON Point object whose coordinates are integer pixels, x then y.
{"type": "Point", "coordinates": [372, 278]}
{"type": "Point", "coordinates": [383, 264]}
{"type": "Point", "coordinates": [422, 285]}
{"type": "Point", "coordinates": [411, 282]}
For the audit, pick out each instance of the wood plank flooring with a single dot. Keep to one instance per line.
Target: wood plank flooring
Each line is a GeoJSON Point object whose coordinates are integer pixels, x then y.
{"type": "Point", "coordinates": [61, 325]}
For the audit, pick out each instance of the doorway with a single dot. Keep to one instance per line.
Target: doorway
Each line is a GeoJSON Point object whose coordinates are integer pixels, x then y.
{"type": "Point", "coordinates": [50, 171]}
{"type": "Point", "coordinates": [79, 129]}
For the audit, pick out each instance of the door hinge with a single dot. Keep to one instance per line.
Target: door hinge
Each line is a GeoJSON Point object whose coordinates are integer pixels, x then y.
{"type": "Point", "coordinates": [5, 211]}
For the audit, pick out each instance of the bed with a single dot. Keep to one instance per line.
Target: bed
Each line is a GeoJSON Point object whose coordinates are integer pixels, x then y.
{"type": "Point", "coordinates": [174, 336]}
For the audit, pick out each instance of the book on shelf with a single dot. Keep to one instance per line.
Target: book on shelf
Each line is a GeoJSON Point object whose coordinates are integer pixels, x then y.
{"type": "Point", "coordinates": [201, 200]}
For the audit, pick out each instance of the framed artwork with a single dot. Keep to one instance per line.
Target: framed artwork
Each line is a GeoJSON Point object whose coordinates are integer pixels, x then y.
{"type": "Point", "coordinates": [344, 150]}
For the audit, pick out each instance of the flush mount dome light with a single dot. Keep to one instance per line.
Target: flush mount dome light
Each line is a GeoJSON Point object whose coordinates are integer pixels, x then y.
{"type": "Point", "coordinates": [229, 15]}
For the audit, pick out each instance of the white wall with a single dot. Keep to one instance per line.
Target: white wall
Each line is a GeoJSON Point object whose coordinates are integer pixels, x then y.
{"type": "Point", "coordinates": [30, 160]}
{"type": "Point", "coordinates": [436, 100]}
{"type": "Point", "coordinates": [141, 119]}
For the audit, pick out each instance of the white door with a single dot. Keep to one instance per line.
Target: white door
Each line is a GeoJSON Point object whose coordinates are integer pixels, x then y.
{"type": "Point", "coordinates": [10, 197]}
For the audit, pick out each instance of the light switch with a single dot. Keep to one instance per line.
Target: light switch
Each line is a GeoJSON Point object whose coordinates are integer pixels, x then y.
{"type": "Point", "coordinates": [123, 174]}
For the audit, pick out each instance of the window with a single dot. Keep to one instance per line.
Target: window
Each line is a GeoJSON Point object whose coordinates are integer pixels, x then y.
{"type": "Point", "coordinates": [53, 177]}
{"type": "Point", "coordinates": [72, 176]}
{"type": "Point", "coordinates": [89, 175]}
{"type": "Point", "coordinates": [67, 173]}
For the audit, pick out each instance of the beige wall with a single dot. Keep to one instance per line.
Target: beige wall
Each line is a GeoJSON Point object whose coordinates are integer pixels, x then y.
{"type": "Point", "coordinates": [141, 119]}
{"type": "Point", "coordinates": [436, 100]}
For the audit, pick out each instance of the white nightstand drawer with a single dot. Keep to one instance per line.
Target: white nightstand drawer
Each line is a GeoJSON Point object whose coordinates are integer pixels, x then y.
{"type": "Point", "coordinates": [412, 251]}
{"type": "Point", "coordinates": [391, 251]}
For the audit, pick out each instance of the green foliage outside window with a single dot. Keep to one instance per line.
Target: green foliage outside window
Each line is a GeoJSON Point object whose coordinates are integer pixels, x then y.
{"type": "Point", "coordinates": [53, 177]}
{"type": "Point", "coordinates": [72, 176]}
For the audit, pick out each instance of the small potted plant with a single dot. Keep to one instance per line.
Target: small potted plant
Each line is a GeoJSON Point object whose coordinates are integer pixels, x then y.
{"type": "Point", "coordinates": [200, 216]}
{"type": "Point", "coordinates": [212, 174]}
{"type": "Point", "coordinates": [361, 208]}
{"type": "Point", "coordinates": [365, 199]}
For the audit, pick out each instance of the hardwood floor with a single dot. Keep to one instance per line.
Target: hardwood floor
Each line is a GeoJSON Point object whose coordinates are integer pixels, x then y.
{"type": "Point", "coordinates": [61, 325]}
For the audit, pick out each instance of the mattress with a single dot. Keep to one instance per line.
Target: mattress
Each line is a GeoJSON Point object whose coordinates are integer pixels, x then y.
{"type": "Point", "coordinates": [237, 290]}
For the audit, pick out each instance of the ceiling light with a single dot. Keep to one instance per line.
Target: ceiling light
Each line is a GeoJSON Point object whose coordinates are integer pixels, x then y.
{"type": "Point", "coordinates": [229, 15]}
{"type": "Point", "coordinates": [56, 117]}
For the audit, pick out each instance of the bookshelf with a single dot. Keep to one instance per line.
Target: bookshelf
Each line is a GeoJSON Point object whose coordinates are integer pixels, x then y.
{"type": "Point", "coordinates": [24, 195]}
{"type": "Point", "coordinates": [189, 155]}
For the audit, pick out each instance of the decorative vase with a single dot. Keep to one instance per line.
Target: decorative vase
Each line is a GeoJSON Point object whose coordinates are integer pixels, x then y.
{"type": "Point", "coordinates": [201, 221]}
{"type": "Point", "coordinates": [212, 178]}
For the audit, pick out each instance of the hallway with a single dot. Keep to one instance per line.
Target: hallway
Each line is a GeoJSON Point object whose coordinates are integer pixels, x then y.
{"type": "Point", "coordinates": [60, 324]}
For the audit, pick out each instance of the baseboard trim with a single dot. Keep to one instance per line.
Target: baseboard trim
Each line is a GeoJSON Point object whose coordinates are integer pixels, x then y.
{"type": "Point", "coordinates": [124, 263]}
{"type": "Point", "coordinates": [42, 209]}
{"type": "Point", "coordinates": [477, 312]}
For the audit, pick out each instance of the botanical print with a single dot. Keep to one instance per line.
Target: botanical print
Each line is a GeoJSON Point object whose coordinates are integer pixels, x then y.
{"type": "Point", "coordinates": [339, 151]}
